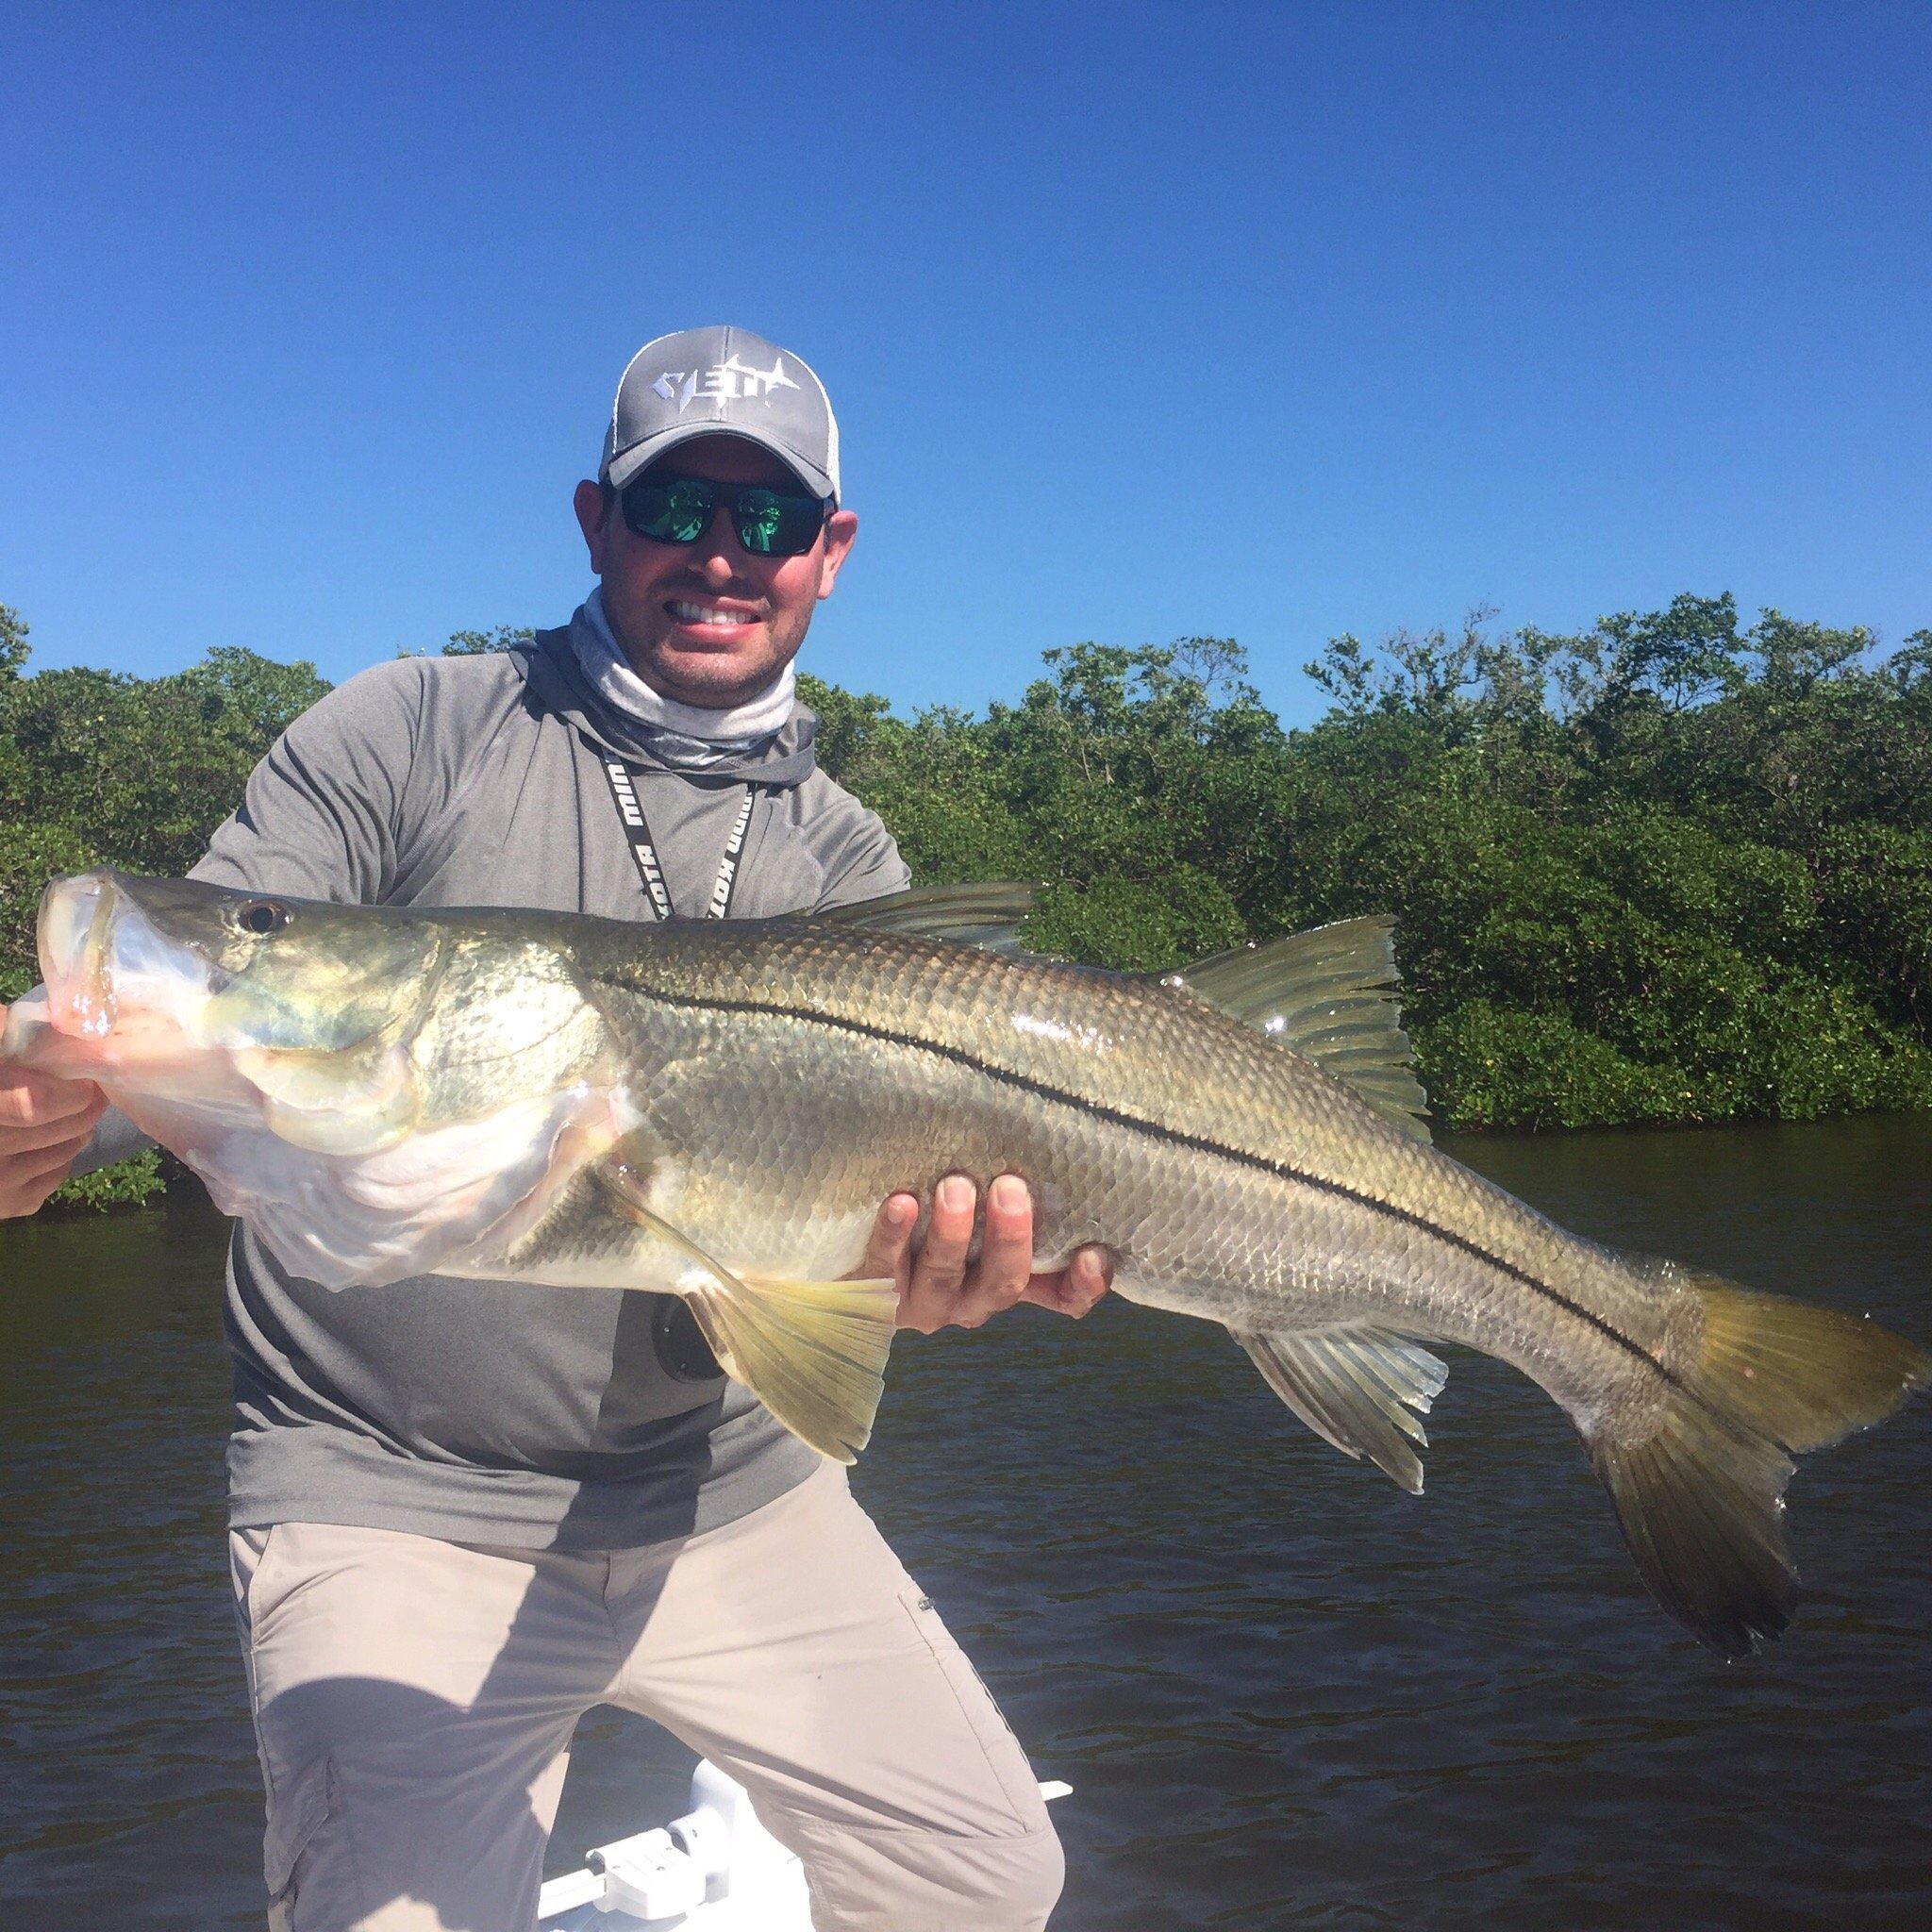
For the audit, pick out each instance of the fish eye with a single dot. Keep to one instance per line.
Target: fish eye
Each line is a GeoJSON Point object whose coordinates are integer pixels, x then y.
{"type": "Point", "coordinates": [263, 916]}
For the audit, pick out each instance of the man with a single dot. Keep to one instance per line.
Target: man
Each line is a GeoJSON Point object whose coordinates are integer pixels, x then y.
{"type": "Point", "coordinates": [462, 1512]}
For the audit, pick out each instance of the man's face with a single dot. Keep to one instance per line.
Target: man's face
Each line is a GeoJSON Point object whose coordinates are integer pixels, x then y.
{"type": "Point", "coordinates": [664, 600]}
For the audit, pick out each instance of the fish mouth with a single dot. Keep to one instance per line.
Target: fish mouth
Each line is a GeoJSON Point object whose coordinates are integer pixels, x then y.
{"type": "Point", "coordinates": [113, 980]}
{"type": "Point", "coordinates": [76, 917]}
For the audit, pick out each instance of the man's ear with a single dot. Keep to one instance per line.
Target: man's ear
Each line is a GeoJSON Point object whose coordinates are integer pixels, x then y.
{"type": "Point", "coordinates": [589, 504]}
{"type": "Point", "coordinates": [840, 527]}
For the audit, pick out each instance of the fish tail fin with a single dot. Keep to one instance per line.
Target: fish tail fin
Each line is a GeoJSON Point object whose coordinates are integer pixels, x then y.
{"type": "Point", "coordinates": [1699, 1487]}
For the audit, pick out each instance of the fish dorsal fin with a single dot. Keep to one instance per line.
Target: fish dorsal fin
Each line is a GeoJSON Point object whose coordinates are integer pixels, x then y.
{"type": "Point", "coordinates": [986, 916]}
{"type": "Point", "coordinates": [813, 1352]}
{"type": "Point", "coordinates": [1329, 993]}
{"type": "Point", "coordinates": [1356, 1388]}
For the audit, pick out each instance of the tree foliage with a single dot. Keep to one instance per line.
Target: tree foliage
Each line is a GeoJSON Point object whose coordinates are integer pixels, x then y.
{"type": "Point", "coordinates": [100, 767]}
{"type": "Point", "coordinates": [1670, 869]}
{"type": "Point", "coordinates": [476, 644]}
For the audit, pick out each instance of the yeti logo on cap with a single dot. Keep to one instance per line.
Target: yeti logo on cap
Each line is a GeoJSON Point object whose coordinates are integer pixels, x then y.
{"type": "Point", "coordinates": [727, 380]}
{"type": "Point", "coordinates": [702, 381]}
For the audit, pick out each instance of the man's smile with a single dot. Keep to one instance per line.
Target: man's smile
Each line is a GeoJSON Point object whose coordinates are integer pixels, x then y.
{"type": "Point", "coordinates": [710, 616]}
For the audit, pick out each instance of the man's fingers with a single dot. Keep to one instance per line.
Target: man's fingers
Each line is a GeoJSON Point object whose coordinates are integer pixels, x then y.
{"type": "Point", "coordinates": [889, 1249]}
{"type": "Point", "coordinates": [1075, 1288]}
{"type": "Point", "coordinates": [23, 1143]}
{"type": "Point", "coordinates": [943, 1259]}
{"type": "Point", "coordinates": [1089, 1274]}
{"type": "Point", "coordinates": [999, 1277]}
{"type": "Point", "coordinates": [29, 1099]}
{"type": "Point", "coordinates": [20, 1140]}
{"type": "Point", "coordinates": [939, 1266]}
{"type": "Point", "coordinates": [944, 1291]}
{"type": "Point", "coordinates": [27, 1183]}
{"type": "Point", "coordinates": [45, 1124]}
{"type": "Point", "coordinates": [931, 1299]}
{"type": "Point", "coordinates": [52, 1166]}
{"type": "Point", "coordinates": [60, 1152]}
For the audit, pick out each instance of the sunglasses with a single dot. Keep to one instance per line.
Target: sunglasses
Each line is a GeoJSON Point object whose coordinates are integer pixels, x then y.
{"type": "Point", "coordinates": [678, 509]}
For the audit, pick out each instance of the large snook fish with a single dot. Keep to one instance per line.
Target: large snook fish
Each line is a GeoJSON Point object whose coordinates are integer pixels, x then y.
{"type": "Point", "coordinates": [716, 1110]}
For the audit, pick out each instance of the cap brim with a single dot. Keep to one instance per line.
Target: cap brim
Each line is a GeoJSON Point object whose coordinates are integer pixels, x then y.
{"type": "Point", "coordinates": [640, 456]}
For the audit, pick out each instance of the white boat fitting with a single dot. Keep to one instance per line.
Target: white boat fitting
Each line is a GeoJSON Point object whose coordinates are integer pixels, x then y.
{"type": "Point", "coordinates": [714, 1870]}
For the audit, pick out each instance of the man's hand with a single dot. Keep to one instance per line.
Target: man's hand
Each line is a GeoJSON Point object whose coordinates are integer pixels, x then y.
{"type": "Point", "coordinates": [45, 1124]}
{"type": "Point", "coordinates": [937, 1288]}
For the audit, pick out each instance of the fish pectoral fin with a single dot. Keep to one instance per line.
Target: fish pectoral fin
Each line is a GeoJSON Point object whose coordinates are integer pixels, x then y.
{"type": "Point", "coordinates": [1355, 1388]}
{"type": "Point", "coordinates": [813, 1352]}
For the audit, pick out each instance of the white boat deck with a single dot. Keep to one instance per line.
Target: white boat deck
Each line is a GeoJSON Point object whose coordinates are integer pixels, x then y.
{"type": "Point", "coordinates": [714, 1870]}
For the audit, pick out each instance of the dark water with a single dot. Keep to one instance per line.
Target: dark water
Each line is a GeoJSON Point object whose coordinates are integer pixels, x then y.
{"type": "Point", "coordinates": [1286, 1694]}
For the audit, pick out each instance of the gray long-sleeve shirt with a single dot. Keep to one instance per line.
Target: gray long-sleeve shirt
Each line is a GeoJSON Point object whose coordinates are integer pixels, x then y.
{"type": "Point", "coordinates": [483, 1411]}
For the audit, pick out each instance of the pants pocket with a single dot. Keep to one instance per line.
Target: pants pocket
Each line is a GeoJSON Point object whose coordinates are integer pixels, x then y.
{"type": "Point", "coordinates": [295, 1813]}
{"type": "Point", "coordinates": [1004, 1756]}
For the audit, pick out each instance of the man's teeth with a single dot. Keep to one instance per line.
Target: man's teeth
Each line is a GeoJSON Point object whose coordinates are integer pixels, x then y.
{"type": "Point", "coordinates": [705, 613]}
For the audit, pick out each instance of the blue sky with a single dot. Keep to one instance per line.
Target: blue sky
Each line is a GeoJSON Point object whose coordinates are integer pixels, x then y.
{"type": "Point", "coordinates": [1263, 322]}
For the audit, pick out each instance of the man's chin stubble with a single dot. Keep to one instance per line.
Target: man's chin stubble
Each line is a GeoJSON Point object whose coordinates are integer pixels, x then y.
{"type": "Point", "coordinates": [708, 695]}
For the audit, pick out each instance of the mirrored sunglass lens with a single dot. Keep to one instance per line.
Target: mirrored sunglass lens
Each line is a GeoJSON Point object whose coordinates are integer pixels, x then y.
{"type": "Point", "coordinates": [758, 518]}
{"type": "Point", "coordinates": [771, 524]}
{"type": "Point", "coordinates": [670, 512]}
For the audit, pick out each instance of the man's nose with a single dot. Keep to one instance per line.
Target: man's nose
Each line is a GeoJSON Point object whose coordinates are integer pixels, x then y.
{"type": "Point", "coordinates": [718, 555]}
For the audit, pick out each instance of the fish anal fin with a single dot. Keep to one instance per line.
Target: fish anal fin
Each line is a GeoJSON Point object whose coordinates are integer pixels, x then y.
{"type": "Point", "coordinates": [813, 1352]}
{"type": "Point", "coordinates": [1360, 1389]}
{"type": "Point", "coordinates": [1329, 995]}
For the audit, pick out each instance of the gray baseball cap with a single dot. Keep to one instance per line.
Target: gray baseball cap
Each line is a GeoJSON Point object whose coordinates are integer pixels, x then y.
{"type": "Point", "coordinates": [721, 382]}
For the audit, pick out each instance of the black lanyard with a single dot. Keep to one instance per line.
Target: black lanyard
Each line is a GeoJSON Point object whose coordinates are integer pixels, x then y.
{"type": "Point", "coordinates": [639, 833]}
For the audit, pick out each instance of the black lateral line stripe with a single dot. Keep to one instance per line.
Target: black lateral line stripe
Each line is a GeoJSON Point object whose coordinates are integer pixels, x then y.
{"type": "Point", "coordinates": [1197, 1142]}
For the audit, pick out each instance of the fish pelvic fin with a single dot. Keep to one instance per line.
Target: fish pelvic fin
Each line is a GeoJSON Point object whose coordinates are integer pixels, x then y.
{"type": "Point", "coordinates": [1361, 1389]}
{"type": "Point", "coordinates": [1699, 1494]}
{"type": "Point", "coordinates": [813, 1352]}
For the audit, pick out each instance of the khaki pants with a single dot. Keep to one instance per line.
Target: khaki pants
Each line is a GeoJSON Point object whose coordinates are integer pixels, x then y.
{"type": "Point", "coordinates": [414, 1702]}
